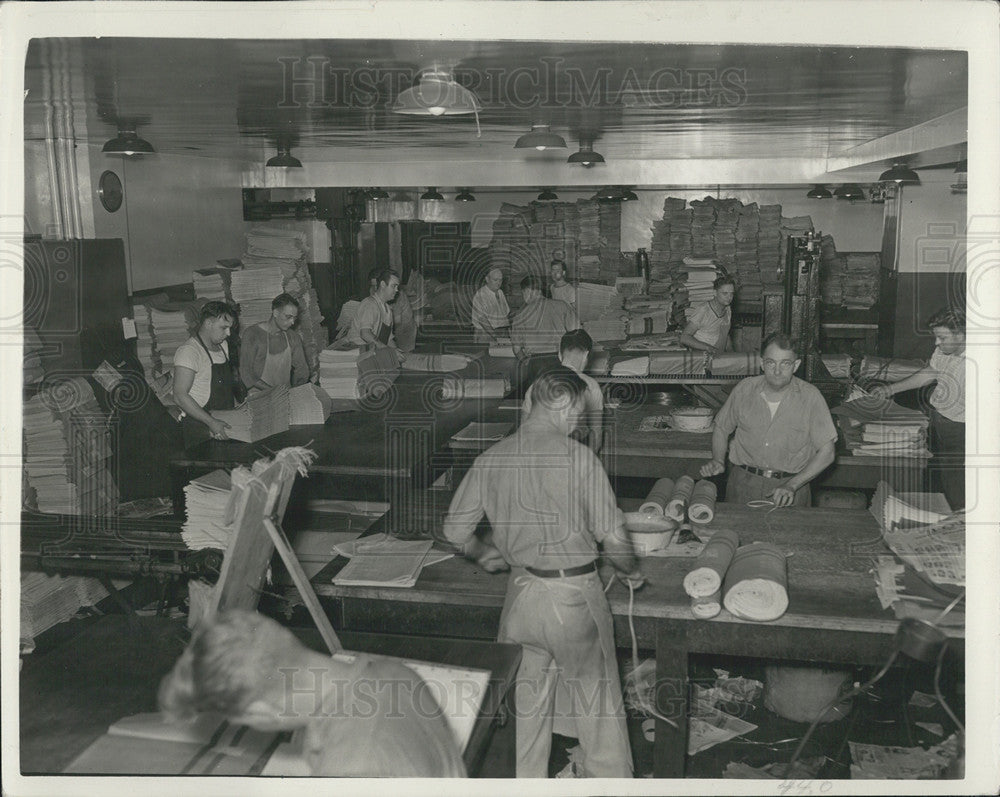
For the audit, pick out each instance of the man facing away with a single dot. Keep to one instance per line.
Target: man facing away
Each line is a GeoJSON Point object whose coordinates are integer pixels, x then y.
{"type": "Point", "coordinates": [550, 505]}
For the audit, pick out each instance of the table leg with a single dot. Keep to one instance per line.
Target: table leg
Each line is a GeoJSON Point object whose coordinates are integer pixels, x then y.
{"type": "Point", "coordinates": [670, 744]}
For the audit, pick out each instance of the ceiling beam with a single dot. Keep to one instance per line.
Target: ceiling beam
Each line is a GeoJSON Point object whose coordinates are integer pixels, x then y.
{"type": "Point", "coordinates": [949, 129]}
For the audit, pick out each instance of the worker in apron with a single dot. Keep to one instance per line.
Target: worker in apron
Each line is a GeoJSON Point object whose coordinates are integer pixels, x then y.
{"type": "Point", "coordinates": [549, 504]}
{"type": "Point", "coordinates": [272, 353]}
{"type": "Point", "coordinates": [372, 325]}
{"type": "Point", "coordinates": [203, 376]}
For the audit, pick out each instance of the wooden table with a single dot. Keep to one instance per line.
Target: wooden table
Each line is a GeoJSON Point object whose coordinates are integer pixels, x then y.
{"type": "Point", "coordinates": [630, 452]}
{"type": "Point", "coordinates": [834, 613]}
{"type": "Point", "coordinates": [376, 451]}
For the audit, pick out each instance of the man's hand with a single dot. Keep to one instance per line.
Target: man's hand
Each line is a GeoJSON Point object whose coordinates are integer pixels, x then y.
{"type": "Point", "coordinates": [635, 579]}
{"type": "Point", "coordinates": [880, 391]}
{"type": "Point", "coordinates": [491, 560]}
{"type": "Point", "coordinates": [218, 428]}
{"type": "Point", "coordinates": [784, 495]}
{"type": "Point", "coordinates": [712, 468]}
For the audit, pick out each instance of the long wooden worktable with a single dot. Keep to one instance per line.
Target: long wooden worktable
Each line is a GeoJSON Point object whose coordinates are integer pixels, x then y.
{"type": "Point", "coordinates": [834, 614]}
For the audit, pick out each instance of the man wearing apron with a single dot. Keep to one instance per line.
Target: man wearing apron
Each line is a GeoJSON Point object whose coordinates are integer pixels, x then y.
{"type": "Point", "coordinates": [203, 375]}
{"type": "Point", "coordinates": [549, 503]}
{"type": "Point", "coordinates": [372, 323]}
{"type": "Point", "coordinates": [272, 353]}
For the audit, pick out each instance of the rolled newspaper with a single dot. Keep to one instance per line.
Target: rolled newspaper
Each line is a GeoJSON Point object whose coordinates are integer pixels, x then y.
{"type": "Point", "coordinates": [701, 508]}
{"type": "Point", "coordinates": [707, 607]}
{"type": "Point", "coordinates": [658, 498]}
{"type": "Point", "coordinates": [710, 567]}
{"type": "Point", "coordinates": [756, 584]}
{"type": "Point", "coordinates": [457, 388]}
{"type": "Point", "coordinates": [683, 488]}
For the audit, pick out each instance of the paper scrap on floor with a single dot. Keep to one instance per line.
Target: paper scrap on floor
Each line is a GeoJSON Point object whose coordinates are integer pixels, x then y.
{"type": "Point", "coordinates": [877, 762]}
{"type": "Point", "coordinates": [710, 727]}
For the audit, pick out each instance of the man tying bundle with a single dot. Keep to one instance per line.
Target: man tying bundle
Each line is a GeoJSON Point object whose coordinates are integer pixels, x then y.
{"type": "Point", "coordinates": [550, 504]}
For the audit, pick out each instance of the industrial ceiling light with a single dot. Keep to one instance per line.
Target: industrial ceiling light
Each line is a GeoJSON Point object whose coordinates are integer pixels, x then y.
{"type": "Point", "coordinates": [433, 194]}
{"type": "Point", "coordinates": [628, 195]}
{"type": "Point", "coordinates": [465, 195]}
{"type": "Point", "coordinates": [541, 138]}
{"type": "Point", "coordinates": [127, 142]}
{"type": "Point", "coordinates": [898, 174]}
{"type": "Point", "coordinates": [378, 193]}
{"type": "Point", "coordinates": [284, 157]}
{"type": "Point", "coordinates": [851, 192]}
{"type": "Point", "coordinates": [437, 94]}
{"type": "Point", "coordinates": [609, 194]}
{"type": "Point", "coordinates": [586, 156]}
{"type": "Point", "coordinates": [961, 184]}
{"type": "Point", "coordinates": [547, 195]}
{"type": "Point", "coordinates": [819, 192]}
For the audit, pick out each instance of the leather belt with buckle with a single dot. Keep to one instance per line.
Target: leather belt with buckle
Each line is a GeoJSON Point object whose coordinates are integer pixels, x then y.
{"type": "Point", "coordinates": [590, 567]}
{"type": "Point", "coordinates": [767, 474]}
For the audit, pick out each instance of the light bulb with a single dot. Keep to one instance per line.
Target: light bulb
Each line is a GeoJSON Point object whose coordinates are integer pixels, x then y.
{"type": "Point", "coordinates": [541, 148]}
{"type": "Point", "coordinates": [436, 110]}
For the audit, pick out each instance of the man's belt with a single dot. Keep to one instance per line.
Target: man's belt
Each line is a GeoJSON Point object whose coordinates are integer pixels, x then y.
{"type": "Point", "coordinates": [590, 567]}
{"type": "Point", "coordinates": [767, 474]}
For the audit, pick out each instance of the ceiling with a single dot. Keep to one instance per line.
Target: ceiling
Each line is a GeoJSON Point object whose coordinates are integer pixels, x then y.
{"type": "Point", "coordinates": [641, 101]}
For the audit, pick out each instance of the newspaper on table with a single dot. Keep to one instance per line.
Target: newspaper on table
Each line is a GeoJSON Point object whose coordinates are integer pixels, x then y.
{"type": "Point", "coordinates": [878, 762]}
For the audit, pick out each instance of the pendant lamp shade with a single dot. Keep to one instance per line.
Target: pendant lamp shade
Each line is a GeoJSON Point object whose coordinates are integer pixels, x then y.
{"type": "Point", "coordinates": [378, 193]}
{"type": "Point", "coordinates": [284, 157]}
{"type": "Point", "coordinates": [432, 194]}
{"type": "Point", "coordinates": [819, 192]}
{"type": "Point", "coordinates": [541, 138]}
{"type": "Point", "coordinates": [547, 195]}
{"type": "Point", "coordinates": [851, 191]}
{"type": "Point", "coordinates": [586, 156]}
{"type": "Point", "coordinates": [609, 194]}
{"type": "Point", "coordinates": [465, 195]}
{"type": "Point", "coordinates": [437, 94]}
{"type": "Point", "coordinates": [127, 142]}
{"type": "Point", "coordinates": [899, 173]}
{"type": "Point", "coordinates": [628, 195]}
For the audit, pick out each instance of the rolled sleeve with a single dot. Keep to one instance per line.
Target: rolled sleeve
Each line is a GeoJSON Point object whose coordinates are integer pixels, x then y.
{"type": "Point", "coordinates": [726, 418]}
{"type": "Point", "coordinates": [466, 509]}
{"type": "Point", "coordinates": [822, 430]}
{"type": "Point", "coordinates": [603, 516]}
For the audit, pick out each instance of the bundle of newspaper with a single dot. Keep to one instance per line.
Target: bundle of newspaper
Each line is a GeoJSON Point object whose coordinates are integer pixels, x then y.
{"type": "Point", "coordinates": [205, 502]}
{"type": "Point", "coordinates": [261, 415]}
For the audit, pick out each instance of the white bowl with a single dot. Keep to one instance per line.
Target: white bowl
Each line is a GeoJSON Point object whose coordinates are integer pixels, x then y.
{"type": "Point", "coordinates": [696, 419]}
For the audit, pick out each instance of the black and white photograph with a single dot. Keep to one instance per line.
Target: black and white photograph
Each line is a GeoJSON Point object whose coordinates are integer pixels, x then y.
{"type": "Point", "coordinates": [403, 392]}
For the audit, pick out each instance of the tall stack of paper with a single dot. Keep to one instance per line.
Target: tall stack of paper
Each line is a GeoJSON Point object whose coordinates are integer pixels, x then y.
{"type": "Point", "coordinates": [46, 460]}
{"type": "Point", "coordinates": [144, 344]}
{"type": "Point", "coordinates": [253, 290]}
{"type": "Point", "coordinates": [170, 330]}
{"type": "Point", "coordinates": [338, 373]}
{"type": "Point", "coordinates": [594, 301]}
{"type": "Point", "coordinates": [261, 415]}
{"type": "Point", "coordinates": [205, 501]}
{"type": "Point", "coordinates": [310, 405]}
{"type": "Point", "coordinates": [873, 427]}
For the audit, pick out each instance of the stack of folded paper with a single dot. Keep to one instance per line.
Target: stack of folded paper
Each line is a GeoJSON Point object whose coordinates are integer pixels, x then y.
{"type": "Point", "coordinates": [261, 415]}
{"type": "Point", "coordinates": [205, 501]}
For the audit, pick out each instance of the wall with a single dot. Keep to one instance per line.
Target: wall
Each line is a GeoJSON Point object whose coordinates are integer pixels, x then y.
{"type": "Point", "coordinates": [180, 213]}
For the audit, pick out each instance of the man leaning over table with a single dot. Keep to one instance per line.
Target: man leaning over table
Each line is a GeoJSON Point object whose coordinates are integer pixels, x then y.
{"type": "Point", "coordinates": [549, 503]}
{"type": "Point", "coordinates": [783, 435]}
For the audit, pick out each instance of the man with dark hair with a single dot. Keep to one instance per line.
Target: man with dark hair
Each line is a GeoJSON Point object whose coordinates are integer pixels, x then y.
{"type": "Point", "coordinates": [363, 715]}
{"type": "Point", "coordinates": [404, 323]}
{"type": "Point", "coordinates": [947, 432]}
{"type": "Point", "coordinates": [708, 327]}
{"type": "Point", "coordinates": [203, 375]}
{"type": "Point", "coordinates": [784, 435]}
{"type": "Point", "coordinates": [272, 353]}
{"type": "Point", "coordinates": [574, 351]}
{"type": "Point", "coordinates": [559, 288]}
{"type": "Point", "coordinates": [372, 324]}
{"type": "Point", "coordinates": [549, 503]}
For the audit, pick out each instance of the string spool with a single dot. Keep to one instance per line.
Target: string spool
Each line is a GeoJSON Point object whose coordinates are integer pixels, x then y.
{"type": "Point", "coordinates": [710, 566]}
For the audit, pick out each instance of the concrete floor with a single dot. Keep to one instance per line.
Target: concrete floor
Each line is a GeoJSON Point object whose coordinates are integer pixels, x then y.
{"type": "Point", "coordinates": [87, 673]}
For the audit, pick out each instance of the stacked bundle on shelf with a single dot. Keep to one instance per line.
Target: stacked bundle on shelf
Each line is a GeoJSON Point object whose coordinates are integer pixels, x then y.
{"type": "Point", "coordinates": [875, 428]}
{"type": "Point", "coordinates": [211, 283]}
{"type": "Point", "coordinates": [702, 222]}
{"type": "Point", "coordinates": [89, 439]}
{"type": "Point", "coordinates": [589, 251]}
{"type": "Point", "coordinates": [33, 372]}
{"type": "Point", "coordinates": [610, 231]}
{"type": "Point", "coordinates": [144, 343]}
{"type": "Point", "coordinates": [770, 255]}
{"type": "Point", "coordinates": [724, 232]}
{"type": "Point", "coordinates": [48, 600]}
{"type": "Point", "coordinates": [648, 315]}
{"type": "Point", "coordinates": [253, 289]}
{"type": "Point", "coordinates": [170, 328]}
{"type": "Point", "coordinates": [46, 460]}
{"type": "Point", "coordinates": [205, 502]}
{"type": "Point", "coordinates": [746, 268]}
{"type": "Point", "coordinates": [338, 373]}
{"type": "Point", "coordinates": [595, 301]}
{"type": "Point", "coordinates": [861, 280]}
{"type": "Point", "coordinates": [261, 415]}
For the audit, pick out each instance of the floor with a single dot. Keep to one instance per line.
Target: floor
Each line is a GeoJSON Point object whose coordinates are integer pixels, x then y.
{"type": "Point", "coordinates": [89, 672]}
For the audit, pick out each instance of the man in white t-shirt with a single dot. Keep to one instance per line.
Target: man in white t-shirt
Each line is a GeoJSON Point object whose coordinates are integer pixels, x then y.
{"type": "Point", "coordinates": [490, 311]}
{"type": "Point", "coordinates": [203, 375]}
{"type": "Point", "coordinates": [372, 325]}
{"type": "Point", "coordinates": [559, 288]}
{"type": "Point", "coordinates": [574, 351]}
{"type": "Point", "coordinates": [708, 327]}
{"type": "Point", "coordinates": [947, 437]}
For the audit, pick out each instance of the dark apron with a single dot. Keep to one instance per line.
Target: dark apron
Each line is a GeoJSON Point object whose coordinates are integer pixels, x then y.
{"type": "Point", "coordinates": [221, 397]}
{"type": "Point", "coordinates": [385, 330]}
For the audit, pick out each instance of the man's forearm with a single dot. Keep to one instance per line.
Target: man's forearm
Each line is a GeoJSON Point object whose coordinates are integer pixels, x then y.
{"type": "Point", "coordinates": [720, 442]}
{"type": "Point", "coordinates": [820, 461]}
{"type": "Point", "coordinates": [922, 377]}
